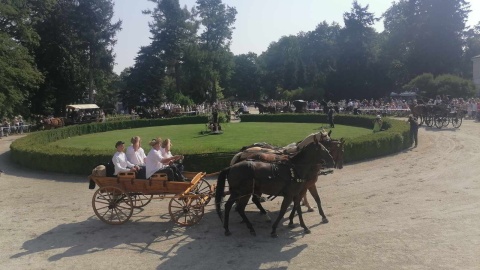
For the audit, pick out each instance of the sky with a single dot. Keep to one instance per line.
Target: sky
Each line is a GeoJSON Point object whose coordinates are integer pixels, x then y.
{"type": "Point", "coordinates": [258, 22]}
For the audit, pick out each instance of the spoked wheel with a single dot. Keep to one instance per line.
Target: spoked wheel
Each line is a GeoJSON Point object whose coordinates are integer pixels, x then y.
{"type": "Point", "coordinates": [112, 205]}
{"type": "Point", "coordinates": [139, 200]}
{"type": "Point", "coordinates": [456, 122]}
{"type": "Point", "coordinates": [420, 120]}
{"type": "Point", "coordinates": [186, 210]}
{"type": "Point", "coordinates": [441, 121]}
{"type": "Point", "coordinates": [428, 121]}
{"type": "Point", "coordinates": [203, 188]}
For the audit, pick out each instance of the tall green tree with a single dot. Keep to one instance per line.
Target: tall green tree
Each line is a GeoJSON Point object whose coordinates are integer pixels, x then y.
{"type": "Point", "coordinates": [75, 53]}
{"type": "Point", "coordinates": [245, 83]}
{"type": "Point", "coordinates": [217, 20]}
{"type": "Point", "coordinates": [18, 72]}
{"type": "Point", "coordinates": [354, 77]}
{"type": "Point", "coordinates": [172, 29]}
{"type": "Point", "coordinates": [472, 49]}
{"type": "Point", "coordinates": [435, 30]}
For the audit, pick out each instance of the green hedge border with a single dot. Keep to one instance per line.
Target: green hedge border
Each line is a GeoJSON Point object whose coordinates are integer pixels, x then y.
{"type": "Point", "coordinates": [34, 151]}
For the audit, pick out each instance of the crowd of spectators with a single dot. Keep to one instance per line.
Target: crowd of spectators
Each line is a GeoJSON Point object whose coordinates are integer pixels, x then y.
{"type": "Point", "coordinates": [16, 125]}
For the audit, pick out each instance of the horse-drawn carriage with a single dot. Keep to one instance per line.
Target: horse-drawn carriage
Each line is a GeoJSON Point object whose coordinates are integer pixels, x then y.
{"type": "Point", "coordinates": [438, 115]}
{"type": "Point", "coordinates": [82, 114]}
{"type": "Point", "coordinates": [116, 198]}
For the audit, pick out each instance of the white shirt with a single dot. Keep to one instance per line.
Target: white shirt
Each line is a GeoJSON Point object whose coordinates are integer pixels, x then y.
{"type": "Point", "coordinates": [136, 157]}
{"type": "Point", "coordinates": [166, 154]}
{"type": "Point", "coordinates": [154, 162]}
{"type": "Point", "coordinates": [121, 164]}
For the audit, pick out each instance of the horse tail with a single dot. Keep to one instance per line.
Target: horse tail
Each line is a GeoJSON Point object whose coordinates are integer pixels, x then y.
{"type": "Point", "coordinates": [220, 190]}
{"type": "Point", "coordinates": [236, 158]}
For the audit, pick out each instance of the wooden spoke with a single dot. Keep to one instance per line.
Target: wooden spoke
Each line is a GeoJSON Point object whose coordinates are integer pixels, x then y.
{"type": "Point", "coordinates": [112, 205]}
{"type": "Point", "coordinates": [186, 210]}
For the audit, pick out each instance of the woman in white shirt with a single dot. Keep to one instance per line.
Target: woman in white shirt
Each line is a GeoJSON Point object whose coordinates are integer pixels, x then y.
{"type": "Point", "coordinates": [157, 163]}
{"type": "Point", "coordinates": [177, 162]}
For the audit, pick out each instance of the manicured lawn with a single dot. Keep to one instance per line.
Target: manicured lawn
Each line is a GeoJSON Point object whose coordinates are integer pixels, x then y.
{"type": "Point", "coordinates": [187, 139]}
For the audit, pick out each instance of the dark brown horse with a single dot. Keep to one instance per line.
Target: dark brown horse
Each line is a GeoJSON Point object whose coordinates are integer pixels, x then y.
{"type": "Point", "coordinates": [265, 154]}
{"type": "Point", "coordinates": [336, 148]}
{"type": "Point", "coordinates": [249, 178]}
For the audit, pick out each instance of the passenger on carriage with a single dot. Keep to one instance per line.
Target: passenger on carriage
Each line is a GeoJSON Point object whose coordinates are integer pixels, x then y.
{"type": "Point", "coordinates": [120, 161]}
{"type": "Point", "coordinates": [136, 155]}
{"type": "Point", "coordinates": [165, 149]}
{"type": "Point", "coordinates": [245, 108]}
{"type": "Point", "coordinates": [157, 163]}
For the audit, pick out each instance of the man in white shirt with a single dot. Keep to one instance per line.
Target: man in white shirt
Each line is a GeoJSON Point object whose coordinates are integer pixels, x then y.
{"type": "Point", "coordinates": [120, 162]}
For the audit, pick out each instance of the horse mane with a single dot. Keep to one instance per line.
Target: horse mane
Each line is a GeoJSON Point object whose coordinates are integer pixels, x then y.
{"type": "Point", "coordinates": [319, 136]}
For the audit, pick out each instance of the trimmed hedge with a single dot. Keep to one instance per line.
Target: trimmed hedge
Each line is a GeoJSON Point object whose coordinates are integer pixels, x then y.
{"type": "Point", "coordinates": [34, 151]}
{"type": "Point", "coordinates": [394, 138]}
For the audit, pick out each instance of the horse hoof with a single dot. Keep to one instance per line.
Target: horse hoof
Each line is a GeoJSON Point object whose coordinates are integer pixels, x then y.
{"type": "Point", "coordinates": [274, 235]}
{"type": "Point", "coordinates": [253, 233]}
{"type": "Point", "coordinates": [307, 231]}
{"type": "Point", "coordinates": [228, 233]}
{"type": "Point", "coordinates": [292, 226]}
{"type": "Point", "coordinates": [310, 210]}
{"type": "Point", "coordinates": [267, 218]}
{"type": "Point", "coordinates": [324, 220]}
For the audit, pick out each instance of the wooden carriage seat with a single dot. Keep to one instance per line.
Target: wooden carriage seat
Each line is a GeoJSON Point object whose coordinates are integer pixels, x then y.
{"type": "Point", "coordinates": [129, 182]}
{"type": "Point", "coordinates": [159, 181]}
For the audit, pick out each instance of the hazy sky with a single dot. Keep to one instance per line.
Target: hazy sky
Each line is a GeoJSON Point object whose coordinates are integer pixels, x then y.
{"type": "Point", "coordinates": [258, 22]}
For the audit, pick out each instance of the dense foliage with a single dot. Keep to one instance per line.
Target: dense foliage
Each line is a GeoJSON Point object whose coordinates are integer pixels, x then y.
{"type": "Point", "coordinates": [55, 52]}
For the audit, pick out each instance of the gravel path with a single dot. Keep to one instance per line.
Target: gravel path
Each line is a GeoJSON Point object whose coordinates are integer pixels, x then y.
{"type": "Point", "coordinates": [418, 209]}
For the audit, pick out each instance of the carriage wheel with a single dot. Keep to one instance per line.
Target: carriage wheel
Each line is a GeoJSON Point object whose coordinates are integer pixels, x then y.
{"type": "Point", "coordinates": [456, 122]}
{"type": "Point", "coordinates": [420, 120]}
{"type": "Point", "coordinates": [440, 121]}
{"type": "Point", "coordinates": [203, 188]}
{"type": "Point", "coordinates": [139, 200]}
{"type": "Point", "coordinates": [112, 205]}
{"type": "Point", "coordinates": [186, 210]}
{"type": "Point", "coordinates": [429, 121]}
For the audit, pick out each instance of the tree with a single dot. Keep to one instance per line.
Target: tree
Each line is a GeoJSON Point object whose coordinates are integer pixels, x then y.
{"type": "Point", "coordinates": [217, 20]}
{"type": "Point", "coordinates": [18, 76]}
{"type": "Point", "coordinates": [172, 29]}
{"type": "Point", "coordinates": [93, 21]}
{"type": "Point", "coordinates": [18, 73]}
{"type": "Point", "coordinates": [445, 84]}
{"type": "Point", "coordinates": [75, 53]}
{"type": "Point", "coordinates": [472, 49]}
{"type": "Point", "coordinates": [435, 35]}
{"type": "Point", "coordinates": [355, 76]}
{"type": "Point", "coordinates": [283, 66]}
{"type": "Point", "coordinates": [143, 84]}
{"type": "Point", "coordinates": [245, 81]}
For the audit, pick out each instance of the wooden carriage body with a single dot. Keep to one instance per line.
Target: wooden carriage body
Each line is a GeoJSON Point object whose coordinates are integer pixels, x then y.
{"type": "Point", "coordinates": [117, 197]}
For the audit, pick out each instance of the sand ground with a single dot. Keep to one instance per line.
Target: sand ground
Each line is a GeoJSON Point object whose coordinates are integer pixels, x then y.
{"type": "Point", "coordinates": [418, 209]}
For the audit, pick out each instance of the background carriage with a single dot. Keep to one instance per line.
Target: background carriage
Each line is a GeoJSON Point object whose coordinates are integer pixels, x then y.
{"type": "Point", "coordinates": [439, 115]}
{"type": "Point", "coordinates": [82, 114]}
{"type": "Point", "coordinates": [116, 197]}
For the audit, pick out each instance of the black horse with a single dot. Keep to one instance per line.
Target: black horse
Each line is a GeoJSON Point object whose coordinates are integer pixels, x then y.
{"type": "Point", "coordinates": [264, 109]}
{"type": "Point", "coordinates": [249, 178]}
{"type": "Point", "coordinates": [300, 106]}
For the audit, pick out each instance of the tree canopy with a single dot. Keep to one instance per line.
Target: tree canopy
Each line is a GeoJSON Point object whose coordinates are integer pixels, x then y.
{"type": "Point", "coordinates": [55, 52]}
